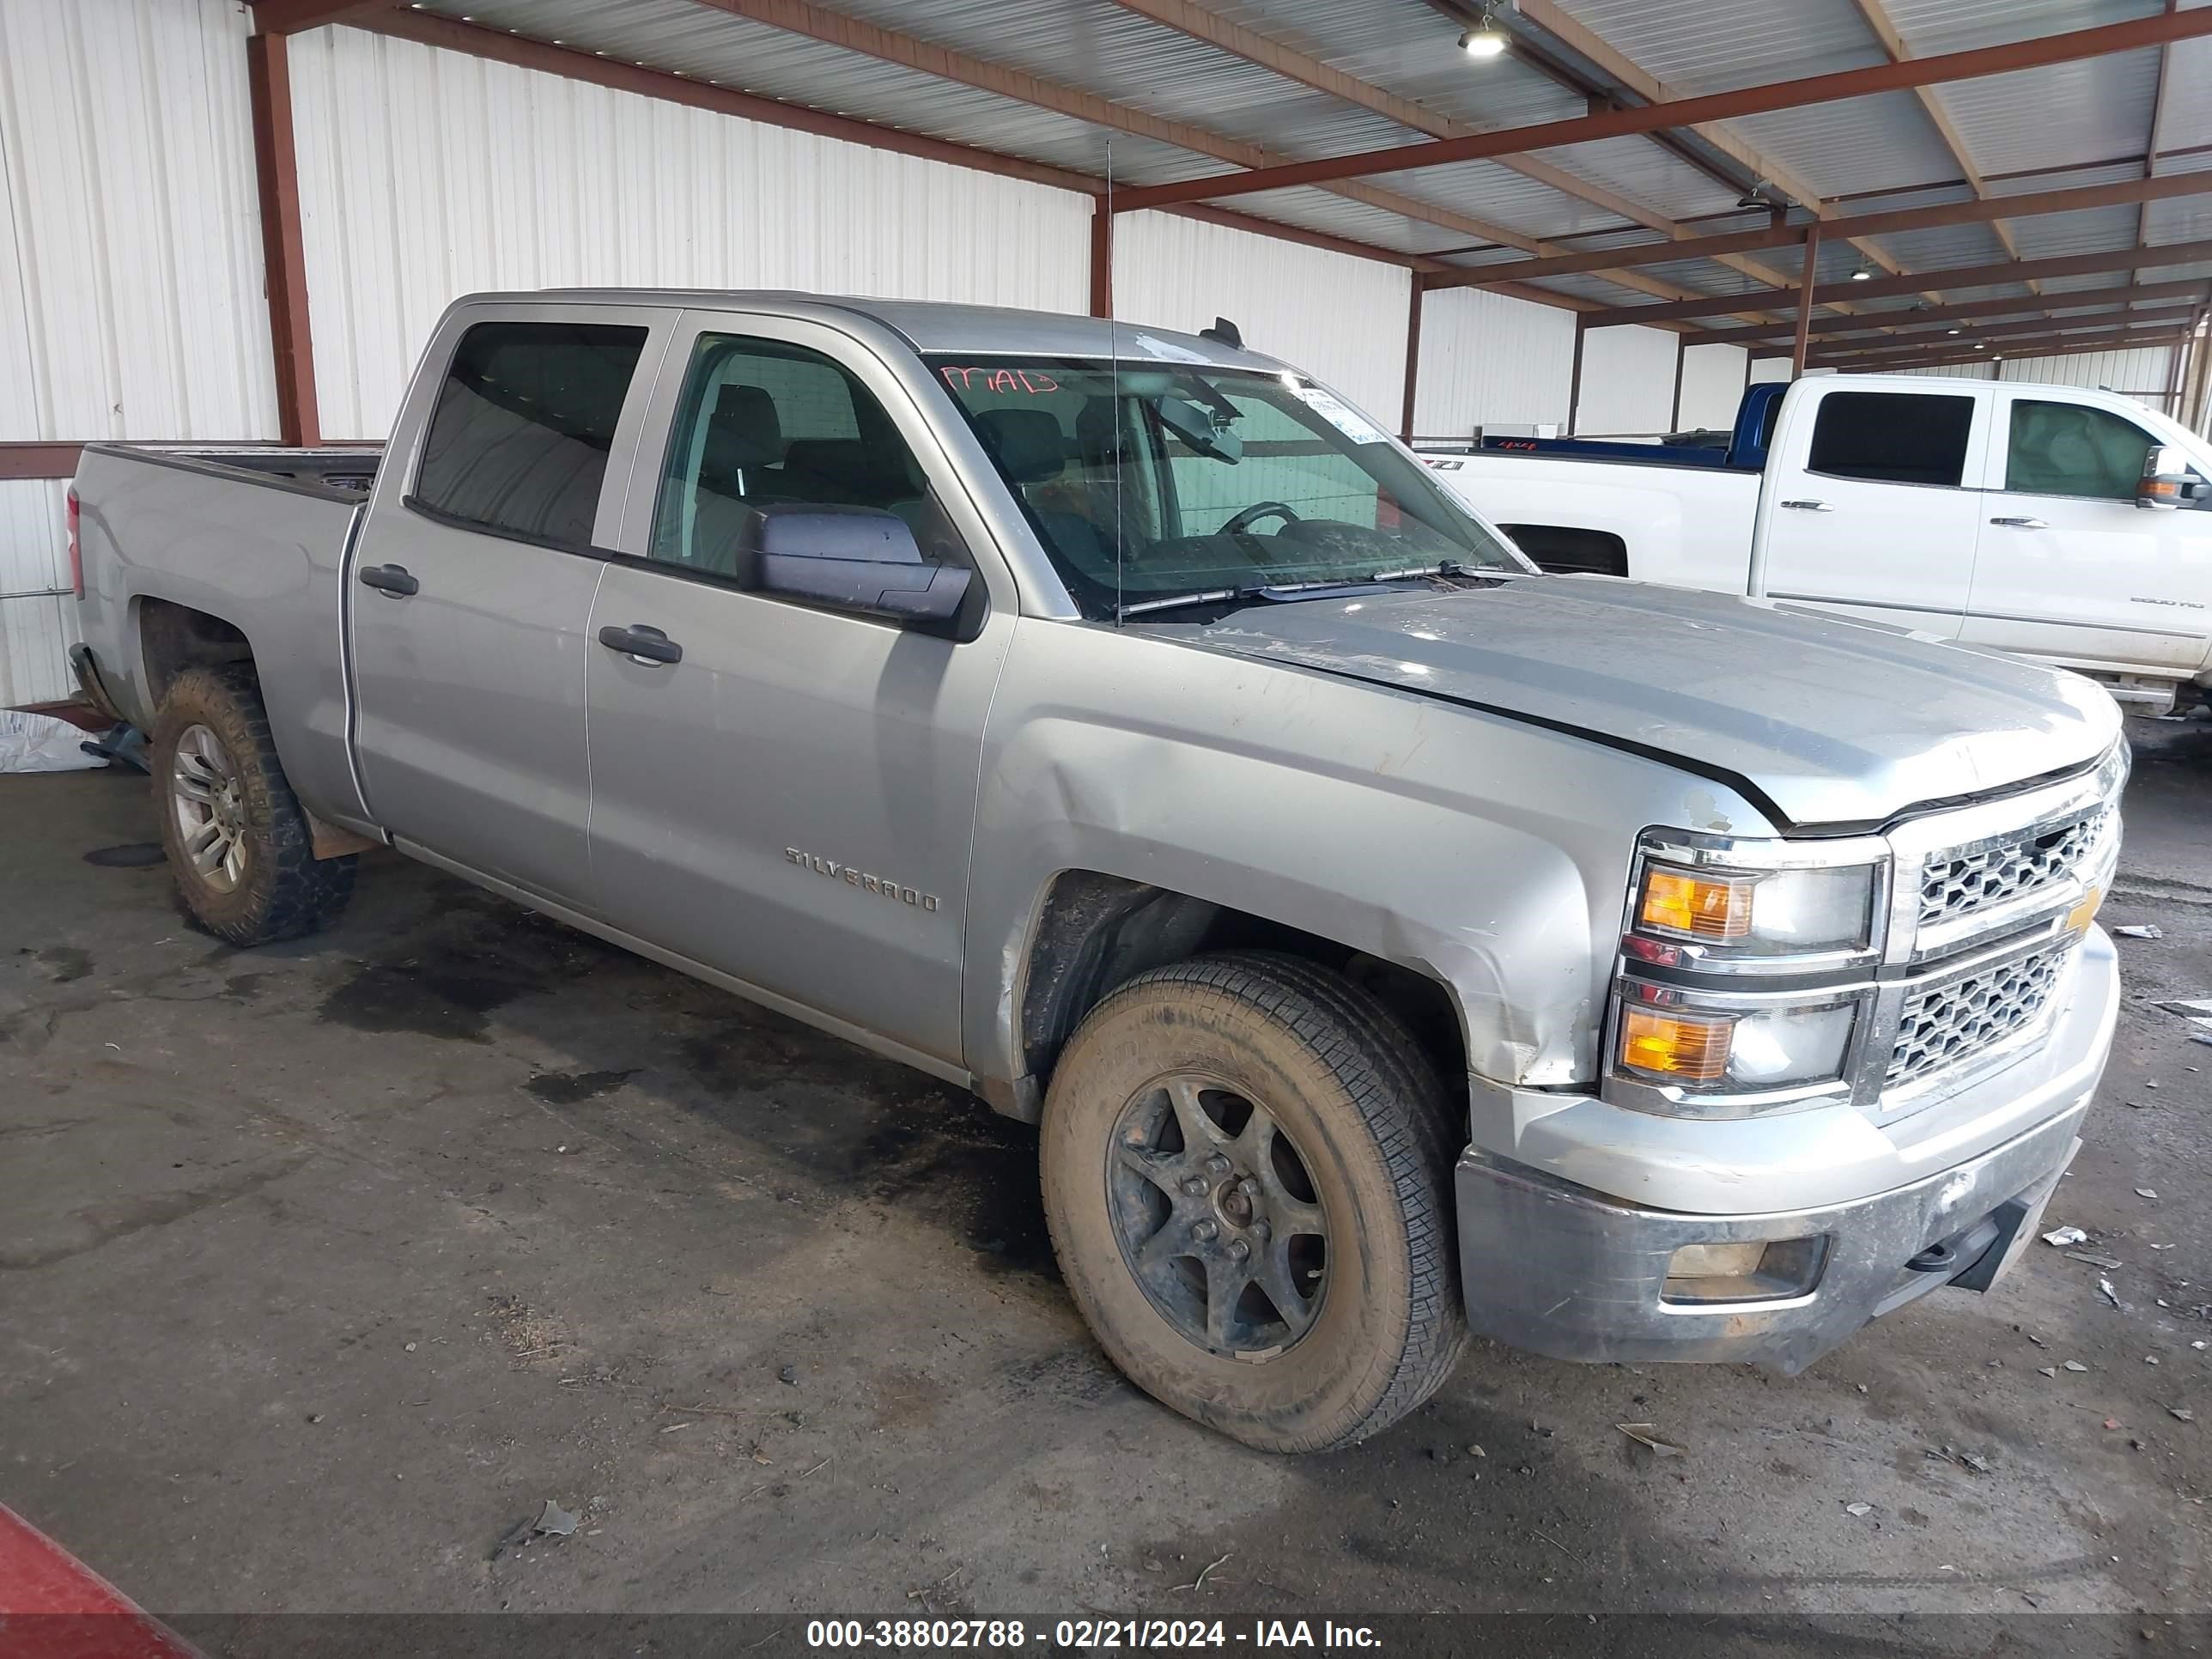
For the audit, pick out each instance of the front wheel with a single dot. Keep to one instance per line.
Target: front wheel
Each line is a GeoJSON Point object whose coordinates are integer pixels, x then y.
{"type": "Point", "coordinates": [1247, 1175]}
{"type": "Point", "coordinates": [240, 844]}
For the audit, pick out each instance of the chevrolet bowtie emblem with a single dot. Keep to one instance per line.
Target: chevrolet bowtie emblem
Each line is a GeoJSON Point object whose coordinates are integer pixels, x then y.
{"type": "Point", "coordinates": [2084, 913]}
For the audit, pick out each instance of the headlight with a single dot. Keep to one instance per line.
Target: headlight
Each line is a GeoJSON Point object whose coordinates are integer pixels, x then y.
{"type": "Point", "coordinates": [1774, 912]}
{"type": "Point", "coordinates": [1713, 922]}
{"type": "Point", "coordinates": [1666, 1037]}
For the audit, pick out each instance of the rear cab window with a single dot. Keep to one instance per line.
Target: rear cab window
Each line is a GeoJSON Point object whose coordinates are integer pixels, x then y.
{"type": "Point", "coordinates": [1893, 437]}
{"type": "Point", "coordinates": [517, 441]}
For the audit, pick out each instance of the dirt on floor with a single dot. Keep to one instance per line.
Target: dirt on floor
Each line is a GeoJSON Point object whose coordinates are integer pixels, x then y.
{"type": "Point", "coordinates": [323, 1267]}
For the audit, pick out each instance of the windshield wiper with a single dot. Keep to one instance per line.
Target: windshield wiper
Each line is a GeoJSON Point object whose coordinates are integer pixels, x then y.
{"type": "Point", "coordinates": [1264, 590]}
{"type": "Point", "coordinates": [1444, 568]}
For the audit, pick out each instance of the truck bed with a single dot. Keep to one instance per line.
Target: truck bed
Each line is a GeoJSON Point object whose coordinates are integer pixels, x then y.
{"type": "Point", "coordinates": [349, 470]}
{"type": "Point", "coordinates": [254, 534]}
{"type": "Point", "coordinates": [1690, 525]}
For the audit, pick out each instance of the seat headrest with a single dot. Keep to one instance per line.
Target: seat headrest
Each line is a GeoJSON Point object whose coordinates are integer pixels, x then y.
{"type": "Point", "coordinates": [1097, 435]}
{"type": "Point", "coordinates": [871, 472]}
{"type": "Point", "coordinates": [744, 429]}
{"type": "Point", "coordinates": [1027, 443]}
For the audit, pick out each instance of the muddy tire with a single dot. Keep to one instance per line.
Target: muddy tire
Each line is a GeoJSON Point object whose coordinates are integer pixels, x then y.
{"type": "Point", "coordinates": [1247, 1170]}
{"type": "Point", "coordinates": [238, 844]}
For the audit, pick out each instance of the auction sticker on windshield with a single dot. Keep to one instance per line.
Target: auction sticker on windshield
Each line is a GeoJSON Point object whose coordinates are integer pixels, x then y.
{"type": "Point", "coordinates": [1340, 415]}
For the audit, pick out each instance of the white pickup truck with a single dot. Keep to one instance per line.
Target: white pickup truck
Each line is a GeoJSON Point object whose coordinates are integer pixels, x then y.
{"type": "Point", "coordinates": [2002, 514]}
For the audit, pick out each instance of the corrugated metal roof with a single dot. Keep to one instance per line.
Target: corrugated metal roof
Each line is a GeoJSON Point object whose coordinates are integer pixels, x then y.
{"type": "Point", "coordinates": [1933, 26]}
{"type": "Point", "coordinates": [2090, 111]}
{"type": "Point", "coordinates": [1714, 45]}
{"type": "Point", "coordinates": [714, 46]}
{"type": "Point", "coordinates": [2085, 113]}
{"type": "Point", "coordinates": [1408, 49]}
{"type": "Point", "coordinates": [1146, 66]}
{"type": "Point", "coordinates": [1855, 143]}
{"type": "Point", "coordinates": [1647, 172]}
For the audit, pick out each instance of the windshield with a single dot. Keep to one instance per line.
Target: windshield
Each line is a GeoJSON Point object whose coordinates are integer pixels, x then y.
{"type": "Point", "coordinates": [1207, 480]}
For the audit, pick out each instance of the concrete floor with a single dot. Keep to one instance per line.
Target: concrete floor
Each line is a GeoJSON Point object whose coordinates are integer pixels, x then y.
{"type": "Point", "coordinates": [323, 1266]}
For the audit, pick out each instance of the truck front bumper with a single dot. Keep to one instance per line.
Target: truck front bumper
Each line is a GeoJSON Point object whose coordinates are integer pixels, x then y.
{"type": "Point", "coordinates": [1557, 1268]}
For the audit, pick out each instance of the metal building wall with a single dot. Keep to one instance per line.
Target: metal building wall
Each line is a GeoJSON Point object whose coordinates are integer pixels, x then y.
{"type": "Point", "coordinates": [1340, 319]}
{"type": "Point", "coordinates": [131, 298]}
{"type": "Point", "coordinates": [1488, 358]}
{"type": "Point", "coordinates": [1628, 381]}
{"type": "Point", "coordinates": [2140, 373]}
{"type": "Point", "coordinates": [1713, 386]}
{"type": "Point", "coordinates": [426, 174]}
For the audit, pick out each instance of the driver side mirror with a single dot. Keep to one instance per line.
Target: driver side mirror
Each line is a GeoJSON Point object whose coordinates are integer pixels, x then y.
{"type": "Point", "coordinates": [858, 560]}
{"type": "Point", "coordinates": [2166, 482]}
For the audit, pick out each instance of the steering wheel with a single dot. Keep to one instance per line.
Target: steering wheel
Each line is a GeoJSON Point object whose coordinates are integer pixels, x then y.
{"type": "Point", "coordinates": [1252, 514]}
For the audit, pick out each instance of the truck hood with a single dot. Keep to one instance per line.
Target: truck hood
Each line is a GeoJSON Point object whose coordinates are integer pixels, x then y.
{"type": "Point", "coordinates": [1832, 722]}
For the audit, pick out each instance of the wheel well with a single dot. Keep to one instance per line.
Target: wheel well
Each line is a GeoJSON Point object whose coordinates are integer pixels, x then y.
{"type": "Point", "coordinates": [1563, 549]}
{"type": "Point", "coordinates": [172, 637]}
{"type": "Point", "coordinates": [1097, 931]}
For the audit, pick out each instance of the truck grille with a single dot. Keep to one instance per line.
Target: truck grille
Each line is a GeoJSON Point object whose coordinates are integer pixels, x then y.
{"type": "Point", "coordinates": [1959, 882]}
{"type": "Point", "coordinates": [1954, 1020]}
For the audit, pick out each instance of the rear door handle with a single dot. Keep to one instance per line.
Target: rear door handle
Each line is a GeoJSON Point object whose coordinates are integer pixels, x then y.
{"type": "Point", "coordinates": [1809, 507]}
{"type": "Point", "coordinates": [640, 641]}
{"type": "Point", "coordinates": [391, 579]}
{"type": "Point", "coordinates": [2024, 524]}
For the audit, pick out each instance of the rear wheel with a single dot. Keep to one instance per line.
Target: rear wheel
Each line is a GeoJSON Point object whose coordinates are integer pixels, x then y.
{"type": "Point", "coordinates": [238, 842]}
{"type": "Point", "coordinates": [1247, 1173]}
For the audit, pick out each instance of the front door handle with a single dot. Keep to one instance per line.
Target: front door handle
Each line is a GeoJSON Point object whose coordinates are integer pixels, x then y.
{"type": "Point", "coordinates": [640, 642]}
{"type": "Point", "coordinates": [1809, 507]}
{"type": "Point", "coordinates": [391, 578]}
{"type": "Point", "coordinates": [2024, 524]}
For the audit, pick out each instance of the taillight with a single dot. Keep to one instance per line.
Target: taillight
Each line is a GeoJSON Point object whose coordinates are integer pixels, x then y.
{"type": "Point", "coordinates": [77, 548]}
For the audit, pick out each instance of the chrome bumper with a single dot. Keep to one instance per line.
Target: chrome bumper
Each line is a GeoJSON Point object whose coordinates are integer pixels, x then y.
{"type": "Point", "coordinates": [1550, 1266]}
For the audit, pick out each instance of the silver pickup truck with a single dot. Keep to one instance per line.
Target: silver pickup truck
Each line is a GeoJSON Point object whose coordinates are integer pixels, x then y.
{"type": "Point", "coordinates": [1388, 938]}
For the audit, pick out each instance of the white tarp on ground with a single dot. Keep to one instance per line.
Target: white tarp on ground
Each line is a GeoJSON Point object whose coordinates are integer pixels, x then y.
{"type": "Point", "coordinates": [40, 743]}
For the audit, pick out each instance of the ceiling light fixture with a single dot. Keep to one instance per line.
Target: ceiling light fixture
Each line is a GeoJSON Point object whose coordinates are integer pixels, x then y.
{"type": "Point", "coordinates": [1488, 40]}
{"type": "Point", "coordinates": [1862, 275]}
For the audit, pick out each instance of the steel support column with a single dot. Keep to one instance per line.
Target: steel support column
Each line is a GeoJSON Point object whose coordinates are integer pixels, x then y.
{"type": "Point", "coordinates": [1806, 283]}
{"type": "Point", "coordinates": [1101, 258]}
{"type": "Point", "coordinates": [1414, 359]}
{"type": "Point", "coordinates": [284, 260]}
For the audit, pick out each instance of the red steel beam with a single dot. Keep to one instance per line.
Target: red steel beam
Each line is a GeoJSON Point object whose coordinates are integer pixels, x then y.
{"type": "Point", "coordinates": [283, 254]}
{"type": "Point", "coordinates": [452, 35]}
{"type": "Point", "coordinates": [431, 30]}
{"type": "Point", "coordinates": [37, 460]}
{"type": "Point", "coordinates": [2054, 345]}
{"type": "Point", "coordinates": [1806, 283]}
{"type": "Point", "coordinates": [1102, 260]}
{"type": "Point", "coordinates": [2033, 53]}
{"type": "Point", "coordinates": [2063, 346]}
{"type": "Point", "coordinates": [1413, 361]}
{"type": "Point", "coordinates": [1863, 224]}
{"type": "Point", "coordinates": [296, 16]}
{"type": "Point", "coordinates": [2163, 315]}
{"type": "Point", "coordinates": [2008, 271]}
{"type": "Point", "coordinates": [1909, 324]}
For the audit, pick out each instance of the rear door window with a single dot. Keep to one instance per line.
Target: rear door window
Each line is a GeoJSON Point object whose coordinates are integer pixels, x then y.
{"type": "Point", "coordinates": [1893, 437]}
{"type": "Point", "coordinates": [519, 438]}
{"type": "Point", "coordinates": [2069, 449]}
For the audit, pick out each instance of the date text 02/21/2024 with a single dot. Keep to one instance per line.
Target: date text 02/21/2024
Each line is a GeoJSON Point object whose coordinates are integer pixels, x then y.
{"type": "Point", "coordinates": [1084, 1633]}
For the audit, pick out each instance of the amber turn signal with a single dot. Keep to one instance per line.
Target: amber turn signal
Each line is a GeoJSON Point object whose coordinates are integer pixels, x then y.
{"type": "Point", "coordinates": [1701, 907]}
{"type": "Point", "coordinates": [1669, 1045]}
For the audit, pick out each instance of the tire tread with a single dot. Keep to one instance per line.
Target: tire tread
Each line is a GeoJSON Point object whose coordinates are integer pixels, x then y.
{"type": "Point", "coordinates": [306, 894]}
{"type": "Point", "coordinates": [1405, 1109]}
